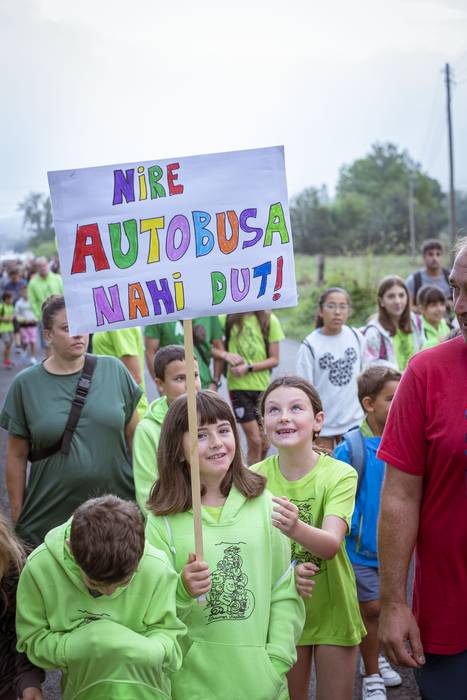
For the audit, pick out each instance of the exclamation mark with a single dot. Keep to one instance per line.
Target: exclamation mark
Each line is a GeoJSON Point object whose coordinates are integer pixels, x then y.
{"type": "Point", "coordinates": [278, 285]}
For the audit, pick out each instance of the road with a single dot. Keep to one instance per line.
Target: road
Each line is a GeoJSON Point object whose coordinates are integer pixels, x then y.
{"type": "Point", "coordinates": [408, 691]}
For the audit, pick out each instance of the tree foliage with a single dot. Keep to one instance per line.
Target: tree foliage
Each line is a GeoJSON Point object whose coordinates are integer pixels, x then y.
{"type": "Point", "coordinates": [37, 218]}
{"type": "Point", "coordinates": [371, 207]}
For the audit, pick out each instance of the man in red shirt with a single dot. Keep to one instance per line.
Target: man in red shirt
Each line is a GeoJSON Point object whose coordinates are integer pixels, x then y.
{"type": "Point", "coordinates": [424, 505]}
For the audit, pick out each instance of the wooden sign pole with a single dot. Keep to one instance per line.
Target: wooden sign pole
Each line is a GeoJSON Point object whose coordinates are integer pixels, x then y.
{"type": "Point", "coordinates": [193, 431]}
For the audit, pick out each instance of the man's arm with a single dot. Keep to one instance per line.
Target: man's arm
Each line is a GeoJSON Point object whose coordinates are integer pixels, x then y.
{"type": "Point", "coordinates": [397, 534]}
{"type": "Point", "coordinates": [151, 346]}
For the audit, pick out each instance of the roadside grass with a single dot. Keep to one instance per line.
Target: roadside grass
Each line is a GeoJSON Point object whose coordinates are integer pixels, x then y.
{"type": "Point", "coordinates": [358, 274]}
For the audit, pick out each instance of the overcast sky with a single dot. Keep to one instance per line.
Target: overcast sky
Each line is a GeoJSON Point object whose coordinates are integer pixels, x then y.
{"type": "Point", "coordinates": [92, 82]}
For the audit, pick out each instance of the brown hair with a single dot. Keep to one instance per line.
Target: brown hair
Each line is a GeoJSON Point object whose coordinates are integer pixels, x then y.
{"type": "Point", "coordinates": [373, 379]}
{"type": "Point", "coordinates": [107, 538]}
{"type": "Point", "coordinates": [319, 323]}
{"type": "Point", "coordinates": [232, 320]}
{"type": "Point", "coordinates": [164, 356]}
{"type": "Point", "coordinates": [50, 308]}
{"type": "Point", "coordinates": [172, 491]}
{"type": "Point", "coordinates": [12, 556]}
{"type": "Point", "coordinates": [293, 382]}
{"type": "Point", "coordinates": [405, 321]}
{"type": "Point", "coordinates": [431, 244]}
{"type": "Point", "coordinates": [429, 294]}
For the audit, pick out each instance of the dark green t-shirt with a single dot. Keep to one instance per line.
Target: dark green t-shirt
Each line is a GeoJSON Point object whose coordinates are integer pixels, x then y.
{"type": "Point", "coordinates": [205, 330]}
{"type": "Point", "coordinates": [37, 408]}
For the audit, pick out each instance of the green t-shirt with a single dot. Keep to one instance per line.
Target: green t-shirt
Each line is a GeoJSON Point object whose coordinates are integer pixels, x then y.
{"type": "Point", "coordinates": [6, 310]}
{"type": "Point", "coordinates": [404, 348]}
{"type": "Point", "coordinates": [205, 330]}
{"type": "Point", "coordinates": [249, 343]}
{"type": "Point", "coordinates": [214, 512]}
{"type": "Point", "coordinates": [121, 342]}
{"type": "Point", "coordinates": [37, 407]}
{"type": "Point", "coordinates": [40, 289]}
{"type": "Point", "coordinates": [333, 615]}
{"type": "Point", "coordinates": [433, 335]}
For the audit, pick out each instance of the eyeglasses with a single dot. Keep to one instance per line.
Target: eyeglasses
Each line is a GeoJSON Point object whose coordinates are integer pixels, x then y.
{"type": "Point", "coordinates": [334, 307]}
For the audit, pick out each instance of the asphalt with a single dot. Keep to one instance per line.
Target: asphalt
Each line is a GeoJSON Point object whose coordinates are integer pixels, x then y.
{"type": "Point", "coordinates": [408, 689]}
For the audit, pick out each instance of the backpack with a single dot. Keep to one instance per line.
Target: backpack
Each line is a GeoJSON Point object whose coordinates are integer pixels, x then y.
{"type": "Point", "coordinates": [357, 338]}
{"type": "Point", "coordinates": [417, 282]}
{"type": "Point", "coordinates": [357, 454]}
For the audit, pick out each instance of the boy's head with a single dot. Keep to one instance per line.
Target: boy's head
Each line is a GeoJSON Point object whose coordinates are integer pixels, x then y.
{"type": "Point", "coordinates": [7, 297]}
{"type": "Point", "coordinates": [23, 292]}
{"type": "Point", "coordinates": [170, 372]}
{"type": "Point", "coordinates": [376, 388]}
{"type": "Point", "coordinates": [107, 542]}
{"type": "Point", "coordinates": [432, 303]}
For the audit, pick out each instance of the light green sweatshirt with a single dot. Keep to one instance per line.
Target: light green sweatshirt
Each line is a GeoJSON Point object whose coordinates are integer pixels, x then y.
{"type": "Point", "coordinates": [243, 640]}
{"type": "Point", "coordinates": [119, 646]}
{"type": "Point", "coordinates": [145, 444]}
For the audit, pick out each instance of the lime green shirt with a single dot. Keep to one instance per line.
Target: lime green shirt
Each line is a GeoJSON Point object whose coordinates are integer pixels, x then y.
{"type": "Point", "coordinates": [433, 335]}
{"type": "Point", "coordinates": [214, 512]}
{"type": "Point", "coordinates": [121, 342]}
{"type": "Point", "coordinates": [6, 311]}
{"type": "Point", "coordinates": [249, 343]}
{"type": "Point", "coordinates": [205, 330]}
{"type": "Point", "coordinates": [40, 289]}
{"type": "Point", "coordinates": [404, 348]}
{"type": "Point", "coordinates": [333, 615]}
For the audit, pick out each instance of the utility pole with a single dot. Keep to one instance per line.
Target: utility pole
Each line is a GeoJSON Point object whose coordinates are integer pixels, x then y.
{"type": "Point", "coordinates": [452, 192]}
{"type": "Point", "coordinates": [411, 216]}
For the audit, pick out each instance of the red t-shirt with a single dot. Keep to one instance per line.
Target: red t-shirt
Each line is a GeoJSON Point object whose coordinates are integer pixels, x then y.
{"type": "Point", "coordinates": [426, 435]}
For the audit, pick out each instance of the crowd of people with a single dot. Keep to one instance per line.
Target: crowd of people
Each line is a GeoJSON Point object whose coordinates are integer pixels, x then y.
{"type": "Point", "coordinates": [292, 572]}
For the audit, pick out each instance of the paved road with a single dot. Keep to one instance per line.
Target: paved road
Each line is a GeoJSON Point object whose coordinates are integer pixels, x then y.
{"type": "Point", "coordinates": [407, 691]}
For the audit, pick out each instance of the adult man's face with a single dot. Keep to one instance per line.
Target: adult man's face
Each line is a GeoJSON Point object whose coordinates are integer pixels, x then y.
{"type": "Point", "coordinates": [458, 281]}
{"type": "Point", "coordinates": [42, 267]}
{"type": "Point", "coordinates": [432, 260]}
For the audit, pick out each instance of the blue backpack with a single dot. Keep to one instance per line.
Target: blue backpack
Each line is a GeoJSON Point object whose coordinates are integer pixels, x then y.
{"type": "Point", "coordinates": [357, 454]}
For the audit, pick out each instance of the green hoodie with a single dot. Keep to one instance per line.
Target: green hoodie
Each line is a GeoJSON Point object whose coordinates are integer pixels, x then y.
{"type": "Point", "coordinates": [243, 640]}
{"type": "Point", "coordinates": [119, 646]}
{"type": "Point", "coordinates": [145, 444]}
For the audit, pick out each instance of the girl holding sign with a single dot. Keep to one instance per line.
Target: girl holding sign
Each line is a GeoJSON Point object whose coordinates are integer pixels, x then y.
{"type": "Point", "coordinates": [314, 501]}
{"type": "Point", "coordinates": [243, 639]}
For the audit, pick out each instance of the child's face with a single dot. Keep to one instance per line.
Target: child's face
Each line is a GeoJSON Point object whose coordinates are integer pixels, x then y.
{"type": "Point", "coordinates": [394, 300]}
{"type": "Point", "coordinates": [434, 312]}
{"type": "Point", "coordinates": [104, 588]}
{"type": "Point", "coordinates": [174, 384]}
{"type": "Point", "coordinates": [216, 449]}
{"type": "Point", "coordinates": [335, 311]}
{"type": "Point", "coordinates": [8, 299]}
{"type": "Point", "coordinates": [289, 420]}
{"type": "Point", "coordinates": [379, 406]}
{"type": "Point", "coordinates": [23, 292]}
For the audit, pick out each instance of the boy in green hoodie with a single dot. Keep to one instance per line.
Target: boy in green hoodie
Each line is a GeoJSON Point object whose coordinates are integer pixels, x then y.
{"type": "Point", "coordinates": [170, 373]}
{"type": "Point", "coordinates": [98, 602]}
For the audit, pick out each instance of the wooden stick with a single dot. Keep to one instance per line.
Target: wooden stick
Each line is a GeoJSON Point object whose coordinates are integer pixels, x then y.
{"type": "Point", "coordinates": [193, 431]}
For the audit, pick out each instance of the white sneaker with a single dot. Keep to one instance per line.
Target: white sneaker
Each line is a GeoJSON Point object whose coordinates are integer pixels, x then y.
{"type": "Point", "coordinates": [373, 688]}
{"type": "Point", "coordinates": [388, 674]}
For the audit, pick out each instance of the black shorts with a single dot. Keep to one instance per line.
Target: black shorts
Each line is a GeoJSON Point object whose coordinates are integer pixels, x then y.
{"type": "Point", "coordinates": [443, 677]}
{"type": "Point", "coordinates": [245, 405]}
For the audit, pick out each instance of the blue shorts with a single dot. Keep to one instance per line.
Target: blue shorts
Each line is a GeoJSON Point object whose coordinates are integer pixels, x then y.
{"type": "Point", "coordinates": [367, 578]}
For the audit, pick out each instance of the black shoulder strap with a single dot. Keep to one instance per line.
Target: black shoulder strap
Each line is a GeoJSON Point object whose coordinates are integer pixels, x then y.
{"type": "Point", "coordinates": [417, 283]}
{"type": "Point", "coordinates": [307, 345]}
{"type": "Point", "coordinates": [82, 390]}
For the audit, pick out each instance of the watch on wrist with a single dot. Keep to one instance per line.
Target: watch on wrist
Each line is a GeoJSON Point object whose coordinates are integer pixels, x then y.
{"type": "Point", "coordinates": [249, 368]}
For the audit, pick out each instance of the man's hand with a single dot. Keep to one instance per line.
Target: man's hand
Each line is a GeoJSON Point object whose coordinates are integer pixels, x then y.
{"type": "Point", "coordinates": [400, 636]}
{"type": "Point", "coordinates": [303, 581]}
{"type": "Point", "coordinates": [196, 577]}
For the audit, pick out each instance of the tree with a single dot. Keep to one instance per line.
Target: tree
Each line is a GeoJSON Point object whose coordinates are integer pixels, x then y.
{"type": "Point", "coordinates": [37, 218]}
{"type": "Point", "coordinates": [312, 222]}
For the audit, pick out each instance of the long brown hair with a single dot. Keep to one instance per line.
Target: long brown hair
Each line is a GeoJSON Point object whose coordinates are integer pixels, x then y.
{"type": "Point", "coordinates": [172, 491]}
{"type": "Point", "coordinates": [12, 555]}
{"type": "Point", "coordinates": [294, 382]}
{"type": "Point", "coordinates": [405, 321]}
{"type": "Point", "coordinates": [263, 318]}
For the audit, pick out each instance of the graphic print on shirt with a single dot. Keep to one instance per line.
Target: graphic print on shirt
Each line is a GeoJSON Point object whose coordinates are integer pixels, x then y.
{"type": "Point", "coordinates": [340, 370]}
{"type": "Point", "coordinates": [92, 617]}
{"type": "Point", "coordinates": [299, 553]}
{"type": "Point", "coordinates": [229, 597]}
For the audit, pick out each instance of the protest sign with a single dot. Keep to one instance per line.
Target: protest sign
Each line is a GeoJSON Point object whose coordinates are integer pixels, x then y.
{"type": "Point", "coordinates": [174, 239]}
